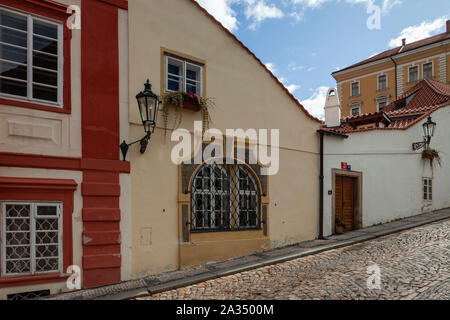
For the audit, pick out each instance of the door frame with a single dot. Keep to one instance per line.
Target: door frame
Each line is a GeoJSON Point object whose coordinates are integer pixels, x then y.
{"type": "Point", "coordinates": [357, 198]}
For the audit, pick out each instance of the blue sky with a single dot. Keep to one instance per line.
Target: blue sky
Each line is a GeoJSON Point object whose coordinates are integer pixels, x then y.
{"type": "Point", "coordinates": [304, 41]}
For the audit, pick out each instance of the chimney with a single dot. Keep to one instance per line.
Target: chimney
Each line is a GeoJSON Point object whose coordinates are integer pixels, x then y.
{"type": "Point", "coordinates": [332, 109]}
{"type": "Point", "coordinates": [403, 42]}
{"type": "Point", "coordinates": [448, 26]}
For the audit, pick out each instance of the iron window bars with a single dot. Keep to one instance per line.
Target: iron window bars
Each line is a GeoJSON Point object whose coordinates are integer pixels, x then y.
{"type": "Point", "coordinates": [31, 238]}
{"type": "Point", "coordinates": [225, 198]}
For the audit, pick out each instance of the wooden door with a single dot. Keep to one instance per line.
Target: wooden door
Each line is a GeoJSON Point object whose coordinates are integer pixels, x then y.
{"type": "Point", "coordinates": [344, 201]}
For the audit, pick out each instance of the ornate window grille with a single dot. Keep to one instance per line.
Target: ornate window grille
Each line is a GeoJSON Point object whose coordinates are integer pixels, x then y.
{"type": "Point", "coordinates": [224, 197]}
{"type": "Point", "coordinates": [31, 238]}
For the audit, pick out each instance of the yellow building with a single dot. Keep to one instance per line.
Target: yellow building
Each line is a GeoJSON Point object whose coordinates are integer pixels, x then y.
{"type": "Point", "coordinates": [180, 47]}
{"type": "Point", "coordinates": [370, 85]}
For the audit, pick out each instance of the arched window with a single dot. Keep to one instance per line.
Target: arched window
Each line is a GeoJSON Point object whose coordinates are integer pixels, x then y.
{"type": "Point", "coordinates": [224, 197]}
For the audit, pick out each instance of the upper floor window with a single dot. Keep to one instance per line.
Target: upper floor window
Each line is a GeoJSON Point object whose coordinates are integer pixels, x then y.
{"type": "Point", "coordinates": [355, 112]}
{"type": "Point", "coordinates": [413, 74]}
{"type": "Point", "coordinates": [382, 105]}
{"type": "Point", "coordinates": [183, 75]}
{"type": "Point", "coordinates": [428, 70]}
{"type": "Point", "coordinates": [382, 82]}
{"type": "Point", "coordinates": [30, 58]}
{"type": "Point", "coordinates": [31, 238]}
{"type": "Point", "coordinates": [355, 89]}
{"type": "Point", "coordinates": [427, 189]}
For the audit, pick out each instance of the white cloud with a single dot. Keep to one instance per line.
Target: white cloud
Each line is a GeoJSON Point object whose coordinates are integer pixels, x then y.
{"type": "Point", "coordinates": [291, 87]}
{"type": "Point", "coordinates": [418, 32]}
{"type": "Point", "coordinates": [316, 102]}
{"type": "Point", "coordinates": [294, 67]}
{"type": "Point", "coordinates": [386, 6]}
{"type": "Point", "coordinates": [258, 11]}
{"type": "Point", "coordinates": [313, 4]}
{"type": "Point", "coordinates": [222, 11]}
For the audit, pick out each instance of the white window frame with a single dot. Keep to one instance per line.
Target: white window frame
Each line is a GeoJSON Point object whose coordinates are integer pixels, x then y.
{"type": "Point", "coordinates": [387, 86]}
{"type": "Point", "coordinates": [353, 108]}
{"type": "Point", "coordinates": [182, 78]}
{"type": "Point", "coordinates": [33, 216]}
{"type": "Point", "coordinates": [409, 74]}
{"type": "Point", "coordinates": [428, 195]}
{"type": "Point", "coordinates": [378, 105]}
{"type": "Point", "coordinates": [432, 69]}
{"type": "Point", "coordinates": [351, 88]}
{"type": "Point", "coordinates": [60, 56]}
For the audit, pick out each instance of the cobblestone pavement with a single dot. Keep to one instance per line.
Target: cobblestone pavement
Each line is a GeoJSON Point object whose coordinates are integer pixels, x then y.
{"type": "Point", "coordinates": [414, 265]}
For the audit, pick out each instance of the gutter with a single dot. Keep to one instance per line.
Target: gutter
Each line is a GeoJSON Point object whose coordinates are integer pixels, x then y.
{"type": "Point", "coordinates": [322, 133]}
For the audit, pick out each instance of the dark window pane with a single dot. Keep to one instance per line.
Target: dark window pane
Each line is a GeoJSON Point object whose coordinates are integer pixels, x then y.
{"type": "Point", "coordinates": [45, 77]}
{"type": "Point", "coordinates": [45, 61]}
{"type": "Point", "coordinates": [191, 88]}
{"type": "Point", "coordinates": [174, 85]}
{"type": "Point", "coordinates": [46, 210]}
{"type": "Point", "coordinates": [174, 69]}
{"type": "Point", "coordinates": [44, 93]}
{"type": "Point", "coordinates": [45, 29]}
{"type": "Point", "coordinates": [13, 54]}
{"type": "Point", "coordinates": [13, 37]}
{"type": "Point", "coordinates": [13, 20]}
{"type": "Point", "coordinates": [13, 70]}
{"type": "Point", "coordinates": [13, 87]}
{"type": "Point", "coordinates": [45, 45]}
{"type": "Point", "coordinates": [191, 74]}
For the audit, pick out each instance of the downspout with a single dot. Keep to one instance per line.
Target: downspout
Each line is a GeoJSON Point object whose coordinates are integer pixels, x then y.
{"type": "Point", "coordinates": [321, 178]}
{"type": "Point", "coordinates": [396, 87]}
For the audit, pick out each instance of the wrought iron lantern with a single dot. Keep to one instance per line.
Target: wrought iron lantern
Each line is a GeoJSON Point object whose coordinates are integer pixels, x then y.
{"type": "Point", "coordinates": [148, 104]}
{"type": "Point", "coordinates": [428, 132]}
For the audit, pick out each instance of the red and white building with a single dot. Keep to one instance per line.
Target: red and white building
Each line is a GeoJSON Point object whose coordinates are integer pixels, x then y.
{"type": "Point", "coordinates": [62, 93]}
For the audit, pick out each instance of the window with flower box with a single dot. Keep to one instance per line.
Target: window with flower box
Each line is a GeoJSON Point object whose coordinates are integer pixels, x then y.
{"type": "Point", "coordinates": [31, 58]}
{"type": "Point", "coordinates": [31, 238]}
{"type": "Point", "coordinates": [183, 75]}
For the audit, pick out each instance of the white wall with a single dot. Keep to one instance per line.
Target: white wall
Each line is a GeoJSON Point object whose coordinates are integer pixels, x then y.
{"type": "Point", "coordinates": [392, 172]}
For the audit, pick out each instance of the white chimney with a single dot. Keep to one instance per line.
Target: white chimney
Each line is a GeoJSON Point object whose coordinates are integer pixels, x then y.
{"type": "Point", "coordinates": [332, 109]}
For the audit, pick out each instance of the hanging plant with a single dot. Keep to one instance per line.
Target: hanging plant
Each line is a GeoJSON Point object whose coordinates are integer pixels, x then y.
{"type": "Point", "coordinates": [187, 101]}
{"type": "Point", "coordinates": [431, 155]}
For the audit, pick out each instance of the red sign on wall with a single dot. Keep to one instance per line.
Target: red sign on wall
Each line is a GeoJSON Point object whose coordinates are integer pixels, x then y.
{"type": "Point", "coordinates": [344, 165]}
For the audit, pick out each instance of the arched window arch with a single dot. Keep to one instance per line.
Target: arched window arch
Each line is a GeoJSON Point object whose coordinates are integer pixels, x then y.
{"type": "Point", "coordinates": [224, 197]}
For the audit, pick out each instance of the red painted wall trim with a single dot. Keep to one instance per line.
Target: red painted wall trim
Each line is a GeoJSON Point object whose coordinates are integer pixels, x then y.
{"type": "Point", "coordinates": [53, 10]}
{"type": "Point", "coordinates": [31, 280]}
{"type": "Point", "coordinates": [30, 189]}
{"type": "Point", "coordinates": [8, 159]}
{"type": "Point", "coordinates": [122, 4]}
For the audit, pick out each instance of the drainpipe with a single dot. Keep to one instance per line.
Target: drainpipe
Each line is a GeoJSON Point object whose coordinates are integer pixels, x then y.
{"type": "Point", "coordinates": [322, 133]}
{"type": "Point", "coordinates": [321, 178]}
{"type": "Point", "coordinates": [396, 87]}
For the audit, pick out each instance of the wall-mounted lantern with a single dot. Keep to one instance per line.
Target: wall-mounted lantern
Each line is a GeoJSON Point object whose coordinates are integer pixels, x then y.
{"type": "Point", "coordinates": [428, 131]}
{"type": "Point", "coordinates": [148, 103]}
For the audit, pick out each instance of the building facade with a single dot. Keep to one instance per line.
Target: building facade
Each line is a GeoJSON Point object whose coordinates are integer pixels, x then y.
{"type": "Point", "coordinates": [372, 174]}
{"type": "Point", "coordinates": [63, 93]}
{"type": "Point", "coordinates": [191, 214]}
{"type": "Point", "coordinates": [370, 85]}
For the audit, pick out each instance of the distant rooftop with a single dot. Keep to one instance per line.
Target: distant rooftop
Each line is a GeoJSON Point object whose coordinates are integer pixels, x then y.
{"type": "Point", "coordinates": [401, 49]}
{"type": "Point", "coordinates": [417, 103]}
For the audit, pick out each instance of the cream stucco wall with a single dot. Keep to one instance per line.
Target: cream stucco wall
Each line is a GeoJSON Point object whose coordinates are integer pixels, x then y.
{"type": "Point", "coordinates": [246, 97]}
{"type": "Point", "coordinates": [391, 172]}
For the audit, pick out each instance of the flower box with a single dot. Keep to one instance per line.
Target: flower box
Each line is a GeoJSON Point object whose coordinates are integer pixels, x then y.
{"type": "Point", "coordinates": [190, 104]}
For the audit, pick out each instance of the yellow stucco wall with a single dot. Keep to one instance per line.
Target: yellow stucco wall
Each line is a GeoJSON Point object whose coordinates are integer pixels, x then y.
{"type": "Point", "coordinates": [246, 96]}
{"type": "Point", "coordinates": [367, 76]}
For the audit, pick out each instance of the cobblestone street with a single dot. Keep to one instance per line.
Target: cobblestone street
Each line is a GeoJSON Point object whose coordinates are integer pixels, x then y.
{"type": "Point", "coordinates": [414, 265]}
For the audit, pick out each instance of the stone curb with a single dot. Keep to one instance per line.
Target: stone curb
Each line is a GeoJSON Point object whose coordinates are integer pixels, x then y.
{"type": "Point", "coordinates": [135, 288]}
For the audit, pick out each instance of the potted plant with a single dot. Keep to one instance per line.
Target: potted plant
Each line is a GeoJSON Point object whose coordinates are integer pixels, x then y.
{"type": "Point", "coordinates": [339, 225]}
{"type": "Point", "coordinates": [178, 101]}
{"type": "Point", "coordinates": [431, 155]}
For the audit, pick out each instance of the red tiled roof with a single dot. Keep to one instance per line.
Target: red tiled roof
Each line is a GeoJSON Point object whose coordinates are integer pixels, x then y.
{"type": "Point", "coordinates": [408, 47]}
{"type": "Point", "coordinates": [257, 59]}
{"type": "Point", "coordinates": [427, 97]}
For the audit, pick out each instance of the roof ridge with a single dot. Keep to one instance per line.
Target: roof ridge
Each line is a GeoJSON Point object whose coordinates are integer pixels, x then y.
{"type": "Point", "coordinates": [257, 59]}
